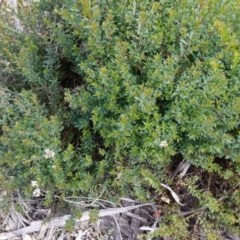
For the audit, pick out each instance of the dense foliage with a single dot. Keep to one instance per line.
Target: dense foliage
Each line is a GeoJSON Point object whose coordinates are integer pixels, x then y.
{"type": "Point", "coordinates": [106, 97]}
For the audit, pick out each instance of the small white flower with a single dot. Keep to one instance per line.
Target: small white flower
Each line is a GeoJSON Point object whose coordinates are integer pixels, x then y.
{"type": "Point", "coordinates": [54, 166]}
{"type": "Point", "coordinates": [163, 144]}
{"type": "Point", "coordinates": [34, 184]}
{"type": "Point", "coordinates": [37, 192]}
{"type": "Point", "coordinates": [49, 153]}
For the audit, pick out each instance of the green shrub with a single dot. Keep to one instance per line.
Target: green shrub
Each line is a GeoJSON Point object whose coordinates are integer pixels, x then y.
{"type": "Point", "coordinates": [116, 89]}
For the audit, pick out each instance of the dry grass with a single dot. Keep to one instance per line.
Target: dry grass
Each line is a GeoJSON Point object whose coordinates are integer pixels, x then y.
{"type": "Point", "coordinates": [28, 219]}
{"type": "Point", "coordinates": [122, 222]}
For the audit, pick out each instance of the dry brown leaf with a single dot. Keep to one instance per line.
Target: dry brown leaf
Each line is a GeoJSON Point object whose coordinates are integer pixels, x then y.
{"type": "Point", "coordinates": [157, 213]}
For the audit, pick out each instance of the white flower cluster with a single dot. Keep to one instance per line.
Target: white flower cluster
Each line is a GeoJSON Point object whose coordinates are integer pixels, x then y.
{"type": "Point", "coordinates": [163, 144]}
{"type": "Point", "coordinates": [49, 153]}
{"type": "Point", "coordinates": [37, 191]}
{"type": "Point", "coordinates": [34, 184]}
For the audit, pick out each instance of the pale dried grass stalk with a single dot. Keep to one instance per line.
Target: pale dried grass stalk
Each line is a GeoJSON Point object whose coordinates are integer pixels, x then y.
{"type": "Point", "coordinates": [36, 226]}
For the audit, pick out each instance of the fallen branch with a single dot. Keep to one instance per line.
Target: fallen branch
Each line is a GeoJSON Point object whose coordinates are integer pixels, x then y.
{"type": "Point", "coordinates": [36, 226]}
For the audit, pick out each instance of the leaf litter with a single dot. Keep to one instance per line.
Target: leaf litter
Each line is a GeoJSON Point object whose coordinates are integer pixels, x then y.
{"type": "Point", "coordinates": [118, 222]}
